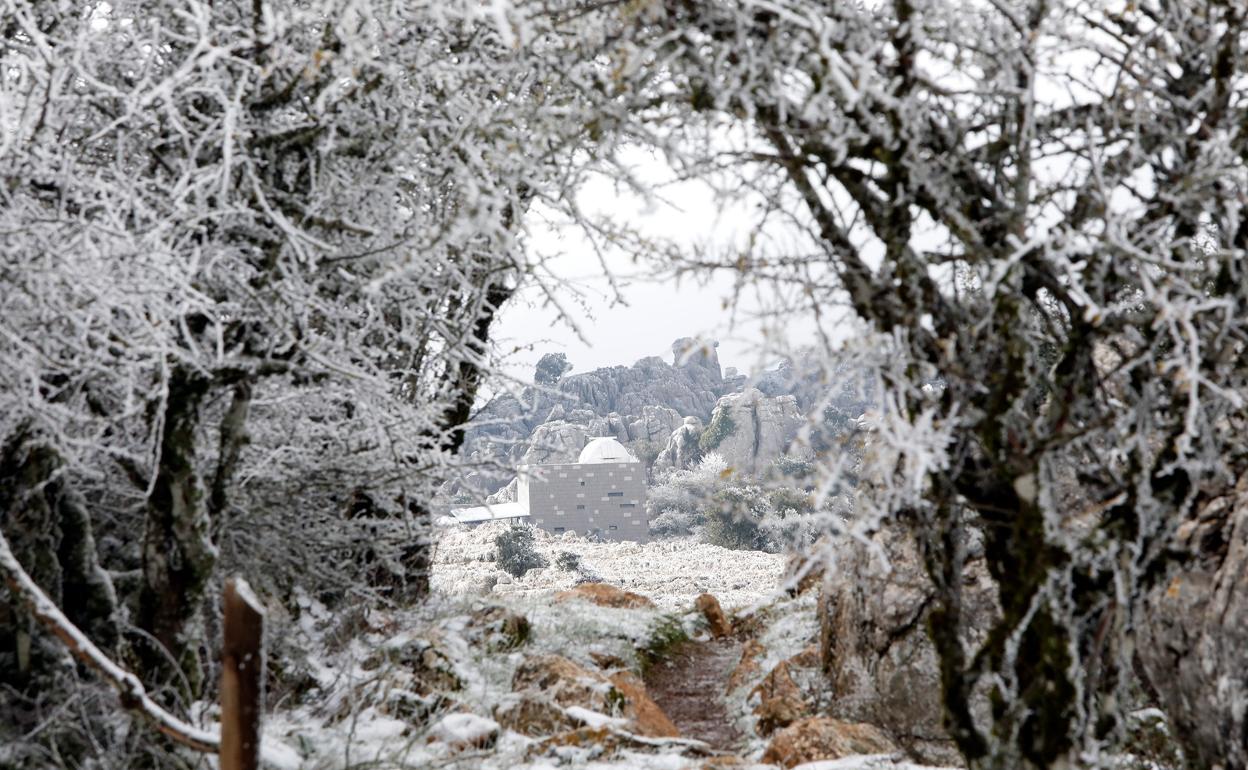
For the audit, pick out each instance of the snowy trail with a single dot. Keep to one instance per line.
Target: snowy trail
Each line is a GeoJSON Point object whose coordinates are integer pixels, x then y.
{"type": "Point", "coordinates": [689, 686]}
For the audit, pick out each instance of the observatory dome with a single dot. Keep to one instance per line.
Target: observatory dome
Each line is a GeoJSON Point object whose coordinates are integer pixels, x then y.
{"type": "Point", "coordinates": [605, 449]}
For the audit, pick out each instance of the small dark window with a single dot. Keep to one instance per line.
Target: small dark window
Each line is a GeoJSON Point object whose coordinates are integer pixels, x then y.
{"type": "Point", "coordinates": [628, 505]}
{"type": "Point", "coordinates": [580, 507]}
{"type": "Point", "coordinates": [582, 483]}
{"type": "Point", "coordinates": [613, 528]}
{"type": "Point", "coordinates": [615, 494]}
{"type": "Point", "coordinates": [560, 529]}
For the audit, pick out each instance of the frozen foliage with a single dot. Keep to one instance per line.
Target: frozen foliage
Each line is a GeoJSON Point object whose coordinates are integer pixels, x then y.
{"type": "Point", "coordinates": [772, 513]}
{"type": "Point", "coordinates": [515, 553]}
{"type": "Point", "coordinates": [250, 257]}
{"type": "Point", "coordinates": [1036, 211]}
{"type": "Point", "coordinates": [672, 573]}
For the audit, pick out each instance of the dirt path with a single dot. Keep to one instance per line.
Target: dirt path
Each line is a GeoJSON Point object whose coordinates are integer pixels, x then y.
{"type": "Point", "coordinates": [689, 687]}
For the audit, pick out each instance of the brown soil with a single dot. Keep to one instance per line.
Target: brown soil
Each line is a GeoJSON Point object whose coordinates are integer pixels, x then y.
{"type": "Point", "coordinates": [689, 687]}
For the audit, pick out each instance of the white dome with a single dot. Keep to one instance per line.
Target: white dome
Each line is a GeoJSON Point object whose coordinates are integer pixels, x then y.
{"type": "Point", "coordinates": [605, 450]}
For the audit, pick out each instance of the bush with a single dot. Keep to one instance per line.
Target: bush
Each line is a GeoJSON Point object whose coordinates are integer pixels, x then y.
{"type": "Point", "coordinates": [735, 531]}
{"type": "Point", "coordinates": [568, 561]}
{"type": "Point", "coordinates": [675, 523]}
{"type": "Point", "coordinates": [516, 553]}
{"type": "Point", "coordinates": [721, 427]}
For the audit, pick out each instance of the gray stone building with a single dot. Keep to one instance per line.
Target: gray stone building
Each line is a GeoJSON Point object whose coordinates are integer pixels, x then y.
{"type": "Point", "coordinates": [603, 493]}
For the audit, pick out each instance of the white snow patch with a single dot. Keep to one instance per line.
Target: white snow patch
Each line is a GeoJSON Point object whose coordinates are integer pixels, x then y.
{"type": "Point", "coordinates": [671, 572]}
{"type": "Point", "coordinates": [464, 729]}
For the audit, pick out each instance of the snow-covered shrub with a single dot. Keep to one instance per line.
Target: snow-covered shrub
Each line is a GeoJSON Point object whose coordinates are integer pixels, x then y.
{"type": "Point", "coordinates": [568, 561]}
{"type": "Point", "coordinates": [516, 553]}
{"type": "Point", "coordinates": [674, 523]}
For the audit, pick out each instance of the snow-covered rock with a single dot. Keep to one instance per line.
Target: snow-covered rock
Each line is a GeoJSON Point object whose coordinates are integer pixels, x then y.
{"type": "Point", "coordinates": [556, 442]}
{"type": "Point", "coordinates": [750, 429]}
{"type": "Point", "coordinates": [682, 451]}
{"type": "Point", "coordinates": [465, 731]}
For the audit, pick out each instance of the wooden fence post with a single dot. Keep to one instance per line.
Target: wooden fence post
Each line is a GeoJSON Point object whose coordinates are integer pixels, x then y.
{"type": "Point", "coordinates": [242, 677]}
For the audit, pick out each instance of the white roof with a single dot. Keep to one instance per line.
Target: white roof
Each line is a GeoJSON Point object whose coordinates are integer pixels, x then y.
{"type": "Point", "coordinates": [489, 513]}
{"type": "Point", "coordinates": [605, 449]}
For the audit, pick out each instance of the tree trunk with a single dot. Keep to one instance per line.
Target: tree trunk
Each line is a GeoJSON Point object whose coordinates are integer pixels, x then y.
{"type": "Point", "coordinates": [51, 532]}
{"type": "Point", "coordinates": [178, 551]}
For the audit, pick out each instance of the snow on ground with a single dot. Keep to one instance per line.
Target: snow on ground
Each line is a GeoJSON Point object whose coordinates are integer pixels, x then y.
{"type": "Point", "coordinates": [671, 572]}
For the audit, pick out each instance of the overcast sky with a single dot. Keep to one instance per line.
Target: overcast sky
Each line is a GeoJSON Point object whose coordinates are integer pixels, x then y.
{"type": "Point", "coordinates": [652, 314]}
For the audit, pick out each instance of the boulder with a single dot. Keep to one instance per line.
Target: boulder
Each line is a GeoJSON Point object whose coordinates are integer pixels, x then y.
{"type": "Point", "coordinates": [716, 622]}
{"type": "Point", "coordinates": [648, 717]}
{"type": "Point", "coordinates": [874, 645]}
{"type": "Point", "coordinates": [749, 430]}
{"type": "Point", "coordinates": [565, 683]}
{"type": "Point", "coordinates": [550, 684]}
{"type": "Point", "coordinates": [816, 738]}
{"type": "Point", "coordinates": [1193, 644]}
{"type": "Point", "coordinates": [533, 715]}
{"type": "Point", "coordinates": [605, 595]}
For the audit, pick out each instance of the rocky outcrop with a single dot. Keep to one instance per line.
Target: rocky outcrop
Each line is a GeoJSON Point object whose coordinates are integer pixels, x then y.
{"type": "Point", "coordinates": [682, 450]}
{"type": "Point", "coordinates": [654, 424]}
{"type": "Point", "coordinates": [605, 595]}
{"type": "Point", "coordinates": [1194, 636]}
{"type": "Point", "coordinates": [874, 645]}
{"type": "Point", "coordinates": [749, 429]}
{"type": "Point", "coordinates": [690, 353]}
{"type": "Point", "coordinates": [816, 738]}
{"type": "Point", "coordinates": [556, 442]}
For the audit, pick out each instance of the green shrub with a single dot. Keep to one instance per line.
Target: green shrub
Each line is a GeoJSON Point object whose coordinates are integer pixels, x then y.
{"type": "Point", "coordinates": [516, 553]}
{"type": "Point", "coordinates": [721, 427]}
{"type": "Point", "coordinates": [568, 561]}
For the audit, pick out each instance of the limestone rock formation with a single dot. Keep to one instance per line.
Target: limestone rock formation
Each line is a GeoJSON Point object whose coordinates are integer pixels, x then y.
{"type": "Point", "coordinates": [655, 423]}
{"type": "Point", "coordinates": [682, 450]}
{"type": "Point", "coordinates": [749, 429]}
{"type": "Point", "coordinates": [556, 442]}
{"type": "Point", "coordinates": [1194, 636]}
{"type": "Point", "coordinates": [881, 665]}
{"type": "Point", "coordinates": [689, 352]}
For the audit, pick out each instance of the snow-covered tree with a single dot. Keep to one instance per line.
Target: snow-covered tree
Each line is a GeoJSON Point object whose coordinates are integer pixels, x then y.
{"type": "Point", "coordinates": [250, 258]}
{"type": "Point", "coordinates": [1036, 208]}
